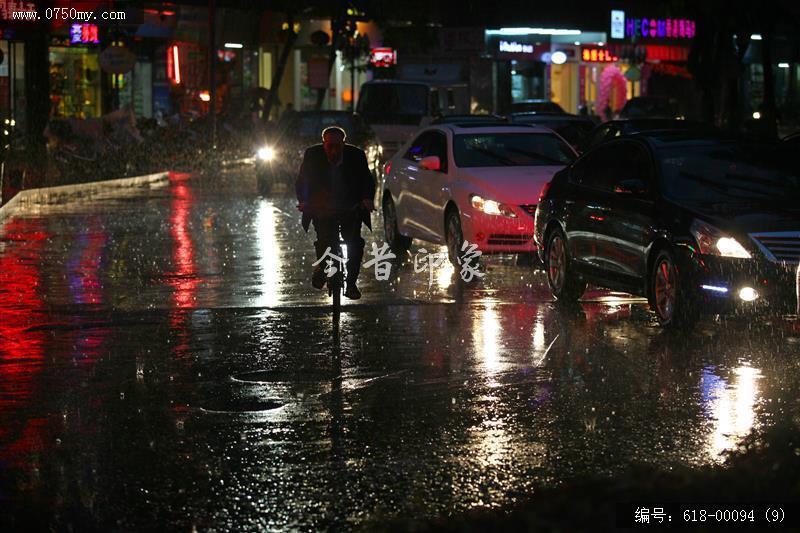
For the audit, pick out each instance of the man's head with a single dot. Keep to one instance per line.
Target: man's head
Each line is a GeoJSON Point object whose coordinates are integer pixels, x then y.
{"type": "Point", "coordinates": [333, 142]}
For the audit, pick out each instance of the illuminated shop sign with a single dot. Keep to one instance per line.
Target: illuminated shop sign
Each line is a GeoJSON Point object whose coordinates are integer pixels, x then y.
{"type": "Point", "coordinates": [617, 24]}
{"type": "Point", "coordinates": [383, 57]}
{"type": "Point", "coordinates": [596, 54]}
{"type": "Point", "coordinates": [623, 27]}
{"type": "Point", "coordinates": [515, 47]}
{"type": "Point", "coordinates": [83, 34]}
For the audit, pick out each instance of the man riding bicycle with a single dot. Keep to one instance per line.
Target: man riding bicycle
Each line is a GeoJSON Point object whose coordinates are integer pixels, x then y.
{"type": "Point", "coordinates": [335, 189]}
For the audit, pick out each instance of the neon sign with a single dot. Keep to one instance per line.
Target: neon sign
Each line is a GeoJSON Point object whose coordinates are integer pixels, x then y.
{"type": "Point", "coordinates": [515, 47]}
{"type": "Point", "coordinates": [660, 28]}
{"type": "Point", "coordinates": [592, 54]}
{"type": "Point", "coordinates": [174, 64]}
{"type": "Point", "coordinates": [617, 24]}
{"type": "Point", "coordinates": [383, 57]}
{"type": "Point", "coordinates": [83, 34]}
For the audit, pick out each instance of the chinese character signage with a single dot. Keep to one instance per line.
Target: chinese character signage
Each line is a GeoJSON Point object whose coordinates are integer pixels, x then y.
{"type": "Point", "coordinates": [383, 57]}
{"type": "Point", "coordinates": [596, 54]}
{"type": "Point", "coordinates": [83, 34]}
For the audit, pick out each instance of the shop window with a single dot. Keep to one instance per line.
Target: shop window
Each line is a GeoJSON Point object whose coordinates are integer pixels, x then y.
{"type": "Point", "coordinates": [74, 83]}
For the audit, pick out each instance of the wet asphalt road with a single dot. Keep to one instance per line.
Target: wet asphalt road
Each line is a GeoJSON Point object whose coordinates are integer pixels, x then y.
{"type": "Point", "coordinates": [165, 363]}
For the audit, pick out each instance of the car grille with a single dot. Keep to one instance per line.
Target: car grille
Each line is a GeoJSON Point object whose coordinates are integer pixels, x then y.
{"type": "Point", "coordinates": [781, 247]}
{"type": "Point", "coordinates": [504, 239]}
{"type": "Point", "coordinates": [529, 208]}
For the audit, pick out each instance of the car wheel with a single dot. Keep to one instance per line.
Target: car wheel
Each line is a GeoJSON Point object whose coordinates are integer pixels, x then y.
{"type": "Point", "coordinates": [668, 300]}
{"type": "Point", "coordinates": [454, 237]}
{"type": "Point", "coordinates": [395, 240]}
{"type": "Point", "coordinates": [564, 284]}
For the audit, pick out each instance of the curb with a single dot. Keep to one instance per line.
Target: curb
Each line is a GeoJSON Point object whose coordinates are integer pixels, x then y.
{"type": "Point", "coordinates": [80, 191]}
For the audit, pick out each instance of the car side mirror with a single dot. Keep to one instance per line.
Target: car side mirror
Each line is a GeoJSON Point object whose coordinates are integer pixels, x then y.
{"type": "Point", "coordinates": [431, 162]}
{"type": "Point", "coordinates": [632, 187]}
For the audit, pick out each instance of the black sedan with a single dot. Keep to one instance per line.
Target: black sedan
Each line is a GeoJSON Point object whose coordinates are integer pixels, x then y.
{"type": "Point", "coordinates": [650, 107]}
{"type": "Point", "coordinates": [279, 157]}
{"type": "Point", "coordinates": [573, 128]}
{"type": "Point", "coordinates": [536, 106]}
{"type": "Point", "coordinates": [692, 223]}
{"type": "Point", "coordinates": [619, 127]}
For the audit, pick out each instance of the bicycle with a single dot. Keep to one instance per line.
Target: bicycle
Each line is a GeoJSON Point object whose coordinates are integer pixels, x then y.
{"type": "Point", "coordinates": [336, 281]}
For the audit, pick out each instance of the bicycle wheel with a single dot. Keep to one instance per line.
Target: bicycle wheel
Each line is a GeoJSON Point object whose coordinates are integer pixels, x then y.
{"type": "Point", "coordinates": [336, 291]}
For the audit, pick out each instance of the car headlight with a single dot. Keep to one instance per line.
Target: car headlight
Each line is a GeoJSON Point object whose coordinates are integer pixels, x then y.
{"type": "Point", "coordinates": [712, 241]}
{"type": "Point", "coordinates": [266, 153]}
{"type": "Point", "coordinates": [491, 207]}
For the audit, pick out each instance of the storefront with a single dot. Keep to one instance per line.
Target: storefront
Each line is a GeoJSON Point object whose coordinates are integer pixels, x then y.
{"type": "Point", "coordinates": [540, 63]}
{"type": "Point", "coordinates": [520, 67]}
{"type": "Point", "coordinates": [12, 82]}
{"type": "Point", "coordinates": [652, 54]}
{"type": "Point", "coordinates": [180, 70]}
{"type": "Point", "coordinates": [75, 75]}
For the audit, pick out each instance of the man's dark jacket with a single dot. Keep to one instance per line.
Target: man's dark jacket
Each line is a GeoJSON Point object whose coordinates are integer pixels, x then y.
{"type": "Point", "coordinates": [313, 185]}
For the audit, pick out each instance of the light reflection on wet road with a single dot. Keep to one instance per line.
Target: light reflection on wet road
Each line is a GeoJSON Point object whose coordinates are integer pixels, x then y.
{"type": "Point", "coordinates": [164, 360]}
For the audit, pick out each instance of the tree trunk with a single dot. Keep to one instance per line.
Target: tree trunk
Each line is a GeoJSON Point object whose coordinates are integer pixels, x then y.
{"type": "Point", "coordinates": [336, 30]}
{"type": "Point", "coordinates": [291, 38]}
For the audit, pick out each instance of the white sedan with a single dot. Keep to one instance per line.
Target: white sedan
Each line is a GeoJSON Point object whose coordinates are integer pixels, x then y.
{"type": "Point", "coordinates": [475, 182]}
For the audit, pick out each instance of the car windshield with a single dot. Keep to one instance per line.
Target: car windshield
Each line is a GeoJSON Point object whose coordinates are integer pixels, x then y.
{"type": "Point", "coordinates": [310, 125]}
{"type": "Point", "coordinates": [510, 149]}
{"type": "Point", "coordinates": [728, 173]}
{"type": "Point", "coordinates": [393, 103]}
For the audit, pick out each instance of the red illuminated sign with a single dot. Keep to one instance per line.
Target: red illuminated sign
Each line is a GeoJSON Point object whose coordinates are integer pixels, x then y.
{"type": "Point", "coordinates": [383, 57]}
{"type": "Point", "coordinates": [174, 64]}
{"type": "Point", "coordinates": [667, 53]}
{"type": "Point", "coordinates": [592, 54]}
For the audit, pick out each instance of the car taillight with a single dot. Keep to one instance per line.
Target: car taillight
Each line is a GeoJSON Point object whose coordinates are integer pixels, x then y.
{"type": "Point", "coordinates": [544, 191]}
{"type": "Point", "coordinates": [387, 168]}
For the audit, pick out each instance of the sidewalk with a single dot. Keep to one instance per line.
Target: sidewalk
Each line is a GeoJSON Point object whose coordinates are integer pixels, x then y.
{"type": "Point", "coordinates": [47, 196]}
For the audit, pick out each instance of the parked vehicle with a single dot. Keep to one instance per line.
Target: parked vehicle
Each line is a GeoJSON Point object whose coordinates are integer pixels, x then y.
{"type": "Point", "coordinates": [692, 222]}
{"type": "Point", "coordinates": [468, 119]}
{"type": "Point", "coordinates": [650, 107]}
{"type": "Point", "coordinates": [395, 110]}
{"type": "Point", "coordinates": [536, 106]}
{"type": "Point", "coordinates": [279, 156]}
{"type": "Point", "coordinates": [470, 182]}
{"type": "Point", "coordinates": [619, 127]}
{"type": "Point", "coordinates": [573, 128]}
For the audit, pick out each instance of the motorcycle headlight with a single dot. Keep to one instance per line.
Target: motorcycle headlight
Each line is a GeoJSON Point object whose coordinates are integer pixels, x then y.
{"type": "Point", "coordinates": [712, 241]}
{"type": "Point", "coordinates": [266, 153]}
{"type": "Point", "coordinates": [491, 207]}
